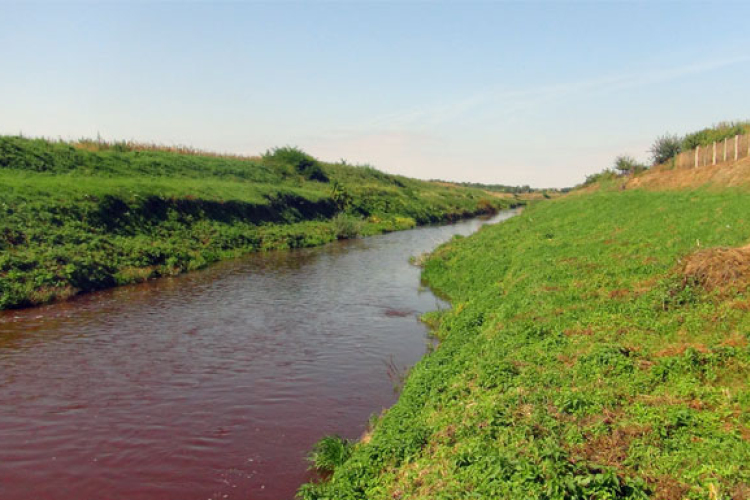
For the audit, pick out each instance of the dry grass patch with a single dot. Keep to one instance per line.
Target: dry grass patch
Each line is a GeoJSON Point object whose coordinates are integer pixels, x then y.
{"type": "Point", "coordinates": [679, 349]}
{"type": "Point", "coordinates": [668, 488]}
{"type": "Point", "coordinates": [620, 293]}
{"type": "Point", "coordinates": [611, 449]}
{"type": "Point", "coordinates": [571, 332]}
{"type": "Point", "coordinates": [733, 174]}
{"type": "Point", "coordinates": [723, 270]}
{"type": "Point", "coordinates": [735, 340]}
{"type": "Point", "coordinates": [46, 294]}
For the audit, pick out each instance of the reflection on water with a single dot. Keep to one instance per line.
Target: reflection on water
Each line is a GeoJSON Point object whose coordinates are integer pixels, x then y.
{"type": "Point", "coordinates": [214, 384]}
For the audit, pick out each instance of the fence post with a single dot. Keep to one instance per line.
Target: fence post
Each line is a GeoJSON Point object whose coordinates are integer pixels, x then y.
{"type": "Point", "coordinates": [714, 154]}
{"type": "Point", "coordinates": [736, 147]}
{"type": "Point", "coordinates": [725, 149]}
{"type": "Point", "coordinates": [697, 149]}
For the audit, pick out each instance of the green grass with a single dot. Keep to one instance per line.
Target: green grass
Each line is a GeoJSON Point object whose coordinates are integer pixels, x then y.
{"type": "Point", "coordinates": [575, 362]}
{"type": "Point", "coordinates": [86, 216]}
{"type": "Point", "coordinates": [329, 453]}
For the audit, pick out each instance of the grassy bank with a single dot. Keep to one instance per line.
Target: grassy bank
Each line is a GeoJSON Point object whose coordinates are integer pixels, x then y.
{"type": "Point", "coordinates": [584, 357]}
{"type": "Point", "coordinates": [91, 215]}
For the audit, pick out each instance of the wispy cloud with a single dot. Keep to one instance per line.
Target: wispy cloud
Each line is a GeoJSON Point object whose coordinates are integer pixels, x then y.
{"type": "Point", "coordinates": [512, 101]}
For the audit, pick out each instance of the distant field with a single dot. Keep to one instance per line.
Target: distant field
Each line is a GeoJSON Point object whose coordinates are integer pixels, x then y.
{"type": "Point", "coordinates": [86, 216]}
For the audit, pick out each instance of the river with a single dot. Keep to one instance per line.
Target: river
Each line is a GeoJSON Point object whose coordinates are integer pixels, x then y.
{"type": "Point", "coordinates": [213, 384]}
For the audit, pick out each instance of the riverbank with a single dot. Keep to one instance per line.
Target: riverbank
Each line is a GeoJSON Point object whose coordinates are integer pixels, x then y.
{"type": "Point", "coordinates": [78, 217]}
{"type": "Point", "coordinates": [587, 355]}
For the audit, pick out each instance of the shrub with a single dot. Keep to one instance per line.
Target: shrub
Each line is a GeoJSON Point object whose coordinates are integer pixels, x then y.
{"type": "Point", "coordinates": [302, 163]}
{"type": "Point", "coordinates": [310, 170]}
{"type": "Point", "coordinates": [627, 165]}
{"type": "Point", "coordinates": [665, 148]}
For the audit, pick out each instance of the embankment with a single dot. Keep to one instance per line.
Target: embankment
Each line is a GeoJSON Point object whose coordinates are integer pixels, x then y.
{"type": "Point", "coordinates": [77, 217]}
{"type": "Point", "coordinates": [583, 357]}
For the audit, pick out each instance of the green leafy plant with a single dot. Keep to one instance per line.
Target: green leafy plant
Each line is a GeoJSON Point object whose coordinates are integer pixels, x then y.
{"type": "Point", "coordinates": [330, 453]}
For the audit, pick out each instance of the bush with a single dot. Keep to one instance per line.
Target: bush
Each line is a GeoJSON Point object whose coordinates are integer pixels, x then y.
{"type": "Point", "coordinates": [665, 148]}
{"type": "Point", "coordinates": [310, 170]}
{"type": "Point", "coordinates": [627, 165]}
{"type": "Point", "coordinates": [302, 163]}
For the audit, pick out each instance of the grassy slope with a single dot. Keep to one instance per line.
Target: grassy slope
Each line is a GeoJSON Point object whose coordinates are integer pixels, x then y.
{"type": "Point", "coordinates": [72, 219]}
{"type": "Point", "coordinates": [574, 362]}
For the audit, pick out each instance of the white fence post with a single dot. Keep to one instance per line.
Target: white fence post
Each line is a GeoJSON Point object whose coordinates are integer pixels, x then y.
{"type": "Point", "coordinates": [725, 149]}
{"type": "Point", "coordinates": [696, 156]}
{"type": "Point", "coordinates": [714, 154]}
{"type": "Point", "coordinates": [736, 147]}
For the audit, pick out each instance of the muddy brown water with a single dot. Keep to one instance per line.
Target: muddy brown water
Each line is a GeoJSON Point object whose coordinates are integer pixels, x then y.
{"type": "Point", "coordinates": [214, 384]}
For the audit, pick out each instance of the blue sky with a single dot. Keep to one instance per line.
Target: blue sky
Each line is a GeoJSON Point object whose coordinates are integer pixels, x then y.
{"type": "Point", "coordinates": [539, 93]}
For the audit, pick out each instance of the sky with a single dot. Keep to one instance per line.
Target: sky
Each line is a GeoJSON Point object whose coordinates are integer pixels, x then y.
{"type": "Point", "coordinates": [538, 93]}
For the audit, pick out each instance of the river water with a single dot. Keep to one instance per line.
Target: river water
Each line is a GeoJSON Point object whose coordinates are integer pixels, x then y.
{"type": "Point", "coordinates": [213, 384]}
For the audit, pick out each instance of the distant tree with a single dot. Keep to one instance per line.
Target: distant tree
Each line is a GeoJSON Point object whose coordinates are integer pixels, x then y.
{"type": "Point", "coordinates": [665, 148]}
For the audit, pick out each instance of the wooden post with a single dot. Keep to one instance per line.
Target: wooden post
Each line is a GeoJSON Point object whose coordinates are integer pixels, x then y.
{"type": "Point", "coordinates": [736, 147]}
{"type": "Point", "coordinates": [714, 154]}
{"type": "Point", "coordinates": [697, 149]}
{"type": "Point", "coordinates": [725, 149]}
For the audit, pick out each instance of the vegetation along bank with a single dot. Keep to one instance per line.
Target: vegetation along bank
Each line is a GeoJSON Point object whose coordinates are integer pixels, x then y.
{"type": "Point", "coordinates": [77, 217]}
{"type": "Point", "coordinates": [597, 348]}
